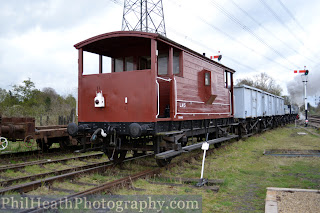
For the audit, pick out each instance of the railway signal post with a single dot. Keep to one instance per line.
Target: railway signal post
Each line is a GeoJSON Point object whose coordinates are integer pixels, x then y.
{"type": "Point", "coordinates": [218, 57]}
{"type": "Point", "coordinates": [304, 77]}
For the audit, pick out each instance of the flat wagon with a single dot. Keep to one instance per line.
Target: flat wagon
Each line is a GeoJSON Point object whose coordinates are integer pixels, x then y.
{"type": "Point", "coordinates": [24, 129]}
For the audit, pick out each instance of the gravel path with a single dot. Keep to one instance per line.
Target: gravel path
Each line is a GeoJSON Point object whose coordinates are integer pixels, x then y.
{"type": "Point", "coordinates": [295, 200]}
{"type": "Point", "coordinates": [298, 202]}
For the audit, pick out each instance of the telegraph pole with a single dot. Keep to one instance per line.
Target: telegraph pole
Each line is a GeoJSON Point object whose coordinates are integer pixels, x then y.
{"type": "Point", "coordinates": [143, 15]}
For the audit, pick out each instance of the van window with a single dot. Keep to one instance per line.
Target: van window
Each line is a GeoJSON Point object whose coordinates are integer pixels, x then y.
{"type": "Point", "coordinates": [144, 62]}
{"type": "Point", "coordinates": [207, 79]}
{"type": "Point", "coordinates": [163, 63]}
{"type": "Point", "coordinates": [176, 61]}
{"type": "Point", "coordinates": [128, 63]}
{"type": "Point", "coordinates": [118, 65]}
{"type": "Point", "coordinates": [227, 79]}
{"type": "Point", "coordinates": [90, 63]}
{"type": "Point", "coordinates": [106, 64]}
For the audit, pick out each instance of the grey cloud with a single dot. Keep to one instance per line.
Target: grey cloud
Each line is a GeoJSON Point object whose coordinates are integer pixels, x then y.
{"type": "Point", "coordinates": [18, 16]}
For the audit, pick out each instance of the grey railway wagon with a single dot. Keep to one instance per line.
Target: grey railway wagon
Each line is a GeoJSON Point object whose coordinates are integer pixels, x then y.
{"type": "Point", "coordinates": [251, 102]}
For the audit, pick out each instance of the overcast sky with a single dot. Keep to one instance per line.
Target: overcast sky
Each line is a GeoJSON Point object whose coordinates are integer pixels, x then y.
{"type": "Point", "coordinates": [254, 36]}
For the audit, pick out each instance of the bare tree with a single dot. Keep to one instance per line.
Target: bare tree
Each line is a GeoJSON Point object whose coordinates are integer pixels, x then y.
{"type": "Point", "coordinates": [263, 82]}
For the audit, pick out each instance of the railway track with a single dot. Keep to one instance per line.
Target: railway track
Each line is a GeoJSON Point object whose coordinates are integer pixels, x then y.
{"type": "Point", "coordinates": [108, 186]}
{"type": "Point", "coordinates": [314, 120]}
{"type": "Point", "coordinates": [46, 161]}
{"type": "Point", "coordinates": [48, 178]}
{"type": "Point", "coordinates": [37, 180]}
{"type": "Point", "coordinates": [73, 176]}
{"type": "Point", "coordinates": [126, 181]}
{"type": "Point", "coordinates": [38, 152]}
{"type": "Point", "coordinates": [5, 182]}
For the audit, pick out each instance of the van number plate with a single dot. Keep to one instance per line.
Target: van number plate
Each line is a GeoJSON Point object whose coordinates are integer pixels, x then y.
{"type": "Point", "coordinates": [183, 105]}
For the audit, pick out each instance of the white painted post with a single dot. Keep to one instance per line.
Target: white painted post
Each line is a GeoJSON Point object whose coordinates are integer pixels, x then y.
{"type": "Point", "coordinates": [205, 147]}
{"type": "Point", "coordinates": [305, 101]}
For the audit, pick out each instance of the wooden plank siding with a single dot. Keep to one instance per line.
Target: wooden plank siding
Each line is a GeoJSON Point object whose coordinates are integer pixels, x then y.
{"type": "Point", "coordinates": [191, 85]}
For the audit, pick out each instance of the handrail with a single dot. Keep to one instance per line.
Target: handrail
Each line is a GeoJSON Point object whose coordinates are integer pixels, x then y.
{"type": "Point", "coordinates": [158, 111]}
{"type": "Point", "coordinates": [164, 79]}
{"type": "Point", "coordinates": [175, 97]}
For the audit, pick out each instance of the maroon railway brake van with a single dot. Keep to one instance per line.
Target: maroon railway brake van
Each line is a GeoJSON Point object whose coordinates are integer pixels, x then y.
{"type": "Point", "coordinates": [147, 67]}
{"type": "Point", "coordinates": [157, 95]}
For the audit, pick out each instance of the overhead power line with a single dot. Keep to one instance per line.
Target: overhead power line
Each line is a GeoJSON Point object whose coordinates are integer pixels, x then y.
{"type": "Point", "coordinates": [236, 41]}
{"type": "Point", "coordinates": [291, 15]}
{"type": "Point", "coordinates": [241, 43]}
{"type": "Point", "coordinates": [298, 24]}
{"type": "Point", "coordinates": [205, 46]}
{"type": "Point", "coordinates": [280, 21]}
{"type": "Point", "coordinates": [269, 31]}
{"type": "Point", "coordinates": [118, 2]}
{"type": "Point", "coordinates": [209, 48]}
{"type": "Point", "coordinates": [244, 27]}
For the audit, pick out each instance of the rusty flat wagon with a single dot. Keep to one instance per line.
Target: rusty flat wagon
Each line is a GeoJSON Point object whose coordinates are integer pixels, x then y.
{"type": "Point", "coordinates": [24, 129]}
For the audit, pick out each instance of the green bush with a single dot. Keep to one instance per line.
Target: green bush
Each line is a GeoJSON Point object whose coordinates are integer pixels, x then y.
{"type": "Point", "coordinates": [45, 106]}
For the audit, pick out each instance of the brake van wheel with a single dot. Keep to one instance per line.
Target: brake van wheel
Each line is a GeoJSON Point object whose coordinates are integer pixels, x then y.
{"type": "Point", "coordinates": [3, 143]}
{"type": "Point", "coordinates": [163, 162]}
{"type": "Point", "coordinates": [117, 156]}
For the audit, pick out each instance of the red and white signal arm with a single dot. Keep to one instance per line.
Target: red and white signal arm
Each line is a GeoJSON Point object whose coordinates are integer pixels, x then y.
{"type": "Point", "coordinates": [306, 72]}
{"type": "Point", "coordinates": [216, 57]}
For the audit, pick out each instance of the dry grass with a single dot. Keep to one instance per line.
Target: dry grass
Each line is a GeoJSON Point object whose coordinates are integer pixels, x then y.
{"type": "Point", "coordinates": [12, 174]}
{"type": "Point", "coordinates": [70, 186]}
{"type": "Point", "coordinates": [96, 179]}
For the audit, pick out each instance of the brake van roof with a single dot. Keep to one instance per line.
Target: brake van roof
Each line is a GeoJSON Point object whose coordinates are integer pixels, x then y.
{"type": "Point", "coordinates": [120, 39]}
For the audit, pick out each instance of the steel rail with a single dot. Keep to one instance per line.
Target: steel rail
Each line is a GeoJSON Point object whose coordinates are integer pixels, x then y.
{"type": "Point", "coordinates": [126, 181]}
{"type": "Point", "coordinates": [104, 187]}
{"type": "Point", "coordinates": [60, 175]}
{"type": "Point", "coordinates": [46, 161]}
{"type": "Point", "coordinates": [107, 186]}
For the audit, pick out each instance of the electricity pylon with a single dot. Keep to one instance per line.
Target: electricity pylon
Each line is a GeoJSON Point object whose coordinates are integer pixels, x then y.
{"type": "Point", "coordinates": [143, 15]}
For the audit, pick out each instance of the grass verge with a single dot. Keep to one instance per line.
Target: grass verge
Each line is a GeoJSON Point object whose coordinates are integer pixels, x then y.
{"type": "Point", "coordinates": [246, 172]}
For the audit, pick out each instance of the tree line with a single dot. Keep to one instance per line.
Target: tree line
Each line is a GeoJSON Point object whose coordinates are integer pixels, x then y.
{"type": "Point", "coordinates": [26, 100]}
{"type": "Point", "coordinates": [263, 82]}
{"type": "Point", "coordinates": [266, 83]}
